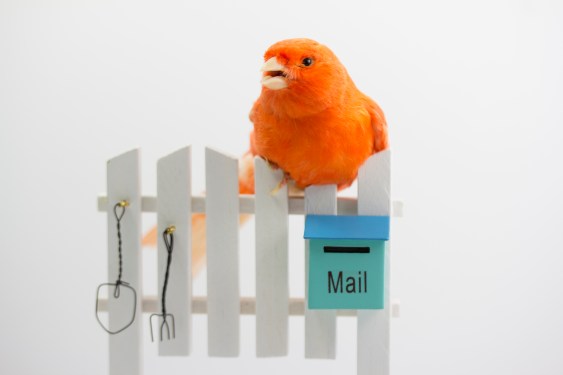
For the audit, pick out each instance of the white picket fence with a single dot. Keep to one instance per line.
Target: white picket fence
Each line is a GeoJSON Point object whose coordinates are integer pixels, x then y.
{"type": "Point", "coordinates": [222, 205]}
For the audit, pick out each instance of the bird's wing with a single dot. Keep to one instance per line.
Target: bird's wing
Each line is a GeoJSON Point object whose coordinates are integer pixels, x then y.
{"type": "Point", "coordinates": [381, 137]}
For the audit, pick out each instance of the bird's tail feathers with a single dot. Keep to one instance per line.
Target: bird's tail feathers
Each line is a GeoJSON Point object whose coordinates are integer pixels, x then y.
{"type": "Point", "coordinates": [246, 186]}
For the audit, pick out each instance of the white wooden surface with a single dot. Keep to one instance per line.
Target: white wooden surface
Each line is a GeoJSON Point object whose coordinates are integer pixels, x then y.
{"type": "Point", "coordinates": [272, 283]}
{"type": "Point", "coordinates": [320, 325]}
{"type": "Point", "coordinates": [123, 183]}
{"type": "Point", "coordinates": [174, 209]}
{"type": "Point", "coordinates": [222, 219]}
{"type": "Point", "coordinates": [374, 186]}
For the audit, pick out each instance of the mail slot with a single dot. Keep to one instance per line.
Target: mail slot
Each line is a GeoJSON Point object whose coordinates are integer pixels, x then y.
{"type": "Point", "coordinates": [346, 261]}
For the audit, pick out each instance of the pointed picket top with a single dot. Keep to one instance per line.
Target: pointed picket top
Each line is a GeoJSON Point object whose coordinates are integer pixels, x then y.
{"type": "Point", "coordinates": [374, 185]}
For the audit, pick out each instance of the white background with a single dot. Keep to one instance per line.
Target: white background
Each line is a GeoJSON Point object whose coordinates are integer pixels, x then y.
{"type": "Point", "coordinates": [472, 92]}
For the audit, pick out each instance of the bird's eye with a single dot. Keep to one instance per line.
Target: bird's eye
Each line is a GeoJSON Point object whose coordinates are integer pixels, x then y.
{"type": "Point", "coordinates": [307, 61]}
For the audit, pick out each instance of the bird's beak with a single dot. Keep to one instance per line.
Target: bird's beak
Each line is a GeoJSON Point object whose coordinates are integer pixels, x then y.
{"type": "Point", "coordinates": [274, 75]}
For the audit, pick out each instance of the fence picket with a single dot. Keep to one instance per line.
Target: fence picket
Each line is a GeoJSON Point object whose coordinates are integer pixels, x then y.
{"type": "Point", "coordinates": [222, 221]}
{"type": "Point", "coordinates": [123, 183]}
{"type": "Point", "coordinates": [374, 325]}
{"type": "Point", "coordinates": [320, 325]}
{"type": "Point", "coordinates": [174, 209]}
{"type": "Point", "coordinates": [272, 283]}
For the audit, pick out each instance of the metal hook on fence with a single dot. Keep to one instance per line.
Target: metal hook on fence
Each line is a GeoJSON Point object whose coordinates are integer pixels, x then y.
{"type": "Point", "coordinates": [168, 236]}
{"type": "Point", "coordinates": [118, 211]}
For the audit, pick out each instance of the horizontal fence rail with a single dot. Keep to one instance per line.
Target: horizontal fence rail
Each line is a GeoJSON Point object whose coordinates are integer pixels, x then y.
{"type": "Point", "coordinates": [295, 307]}
{"type": "Point", "coordinates": [296, 205]}
{"type": "Point", "coordinates": [222, 205]}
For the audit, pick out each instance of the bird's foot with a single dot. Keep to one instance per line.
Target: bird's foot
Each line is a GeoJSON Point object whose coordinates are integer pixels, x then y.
{"type": "Point", "coordinates": [281, 184]}
{"type": "Point", "coordinates": [272, 164]}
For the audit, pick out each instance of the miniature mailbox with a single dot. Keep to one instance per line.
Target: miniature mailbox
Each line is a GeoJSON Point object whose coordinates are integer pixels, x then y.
{"type": "Point", "coordinates": [346, 261]}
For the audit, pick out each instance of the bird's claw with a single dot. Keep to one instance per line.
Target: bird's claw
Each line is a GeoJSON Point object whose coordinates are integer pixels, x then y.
{"type": "Point", "coordinates": [272, 165]}
{"type": "Point", "coordinates": [283, 182]}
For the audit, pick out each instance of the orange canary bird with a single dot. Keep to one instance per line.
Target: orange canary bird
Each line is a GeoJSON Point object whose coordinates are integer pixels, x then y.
{"type": "Point", "coordinates": [310, 120]}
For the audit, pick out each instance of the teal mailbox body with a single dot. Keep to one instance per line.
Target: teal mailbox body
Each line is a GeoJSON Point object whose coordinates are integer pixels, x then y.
{"type": "Point", "coordinates": [346, 261]}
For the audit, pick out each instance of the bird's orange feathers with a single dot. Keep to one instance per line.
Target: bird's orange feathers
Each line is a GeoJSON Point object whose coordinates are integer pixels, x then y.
{"type": "Point", "coordinates": [320, 128]}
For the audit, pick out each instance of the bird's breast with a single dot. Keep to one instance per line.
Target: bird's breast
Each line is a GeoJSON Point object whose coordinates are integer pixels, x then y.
{"type": "Point", "coordinates": [324, 149]}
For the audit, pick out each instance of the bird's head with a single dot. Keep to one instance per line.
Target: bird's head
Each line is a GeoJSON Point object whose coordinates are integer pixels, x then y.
{"type": "Point", "coordinates": [301, 77]}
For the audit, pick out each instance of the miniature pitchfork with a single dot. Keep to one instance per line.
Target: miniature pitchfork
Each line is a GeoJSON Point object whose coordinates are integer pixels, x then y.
{"type": "Point", "coordinates": [168, 236]}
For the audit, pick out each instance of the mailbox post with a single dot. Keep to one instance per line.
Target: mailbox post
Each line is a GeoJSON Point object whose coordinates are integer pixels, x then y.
{"type": "Point", "coordinates": [346, 261]}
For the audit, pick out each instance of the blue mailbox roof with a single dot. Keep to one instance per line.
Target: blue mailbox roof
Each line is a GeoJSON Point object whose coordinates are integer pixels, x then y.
{"type": "Point", "coordinates": [347, 227]}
